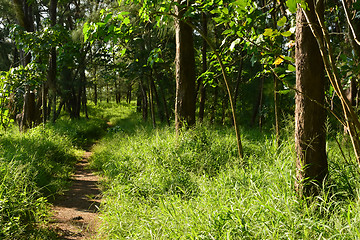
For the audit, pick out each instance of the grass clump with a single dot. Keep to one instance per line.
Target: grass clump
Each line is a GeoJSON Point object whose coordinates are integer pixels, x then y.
{"type": "Point", "coordinates": [194, 187]}
{"type": "Point", "coordinates": [81, 132]}
{"type": "Point", "coordinates": [33, 167]}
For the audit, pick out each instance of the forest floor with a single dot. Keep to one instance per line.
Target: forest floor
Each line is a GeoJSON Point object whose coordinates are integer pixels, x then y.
{"type": "Point", "coordinates": [75, 212]}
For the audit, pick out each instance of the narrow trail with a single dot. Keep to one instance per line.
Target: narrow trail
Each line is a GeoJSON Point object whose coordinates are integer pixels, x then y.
{"type": "Point", "coordinates": [75, 212]}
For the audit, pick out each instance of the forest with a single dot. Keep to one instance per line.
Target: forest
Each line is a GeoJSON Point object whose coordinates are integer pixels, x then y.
{"type": "Point", "coordinates": [203, 119]}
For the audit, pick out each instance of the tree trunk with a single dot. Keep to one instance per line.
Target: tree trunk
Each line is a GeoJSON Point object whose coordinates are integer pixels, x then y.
{"type": "Point", "coordinates": [204, 69]}
{"type": "Point", "coordinates": [52, 60]}
{"type": "Point", "coordinates": [225, 104]}
{"type": "Point", "coordinates": [310, 135]}
{"type": "Point", "coordinates": [24, 17]}
{"type": "Point", "coordinates": [160, 107]}
{"type": "Point", "coordinates": [257, 105]}
{"type": "Point", "coordinates": [129, 93]}
{"type": "Point", "coordinates": [185, 73]}
{"type": "Point", "coordinates": [214, 104]}
{"type": "Point", "coordinates": [95, 94]}
{"type": "Point", "coordinates": [144, 102]}
{"type": "Point", "coordinates": [356, 52]}
{"type": "Point", "coordinates": [107, 93]}
{"type": "Point", "coordinates": [239, 79]}
{"type": "Point", "coordinates": [151, 100]}
{"type": "Point", "coordinates": [167, 115]}
{"type": "Point", "coordinates": [276, 110]}
{"type": "Point", "coordinates": [44, 93]}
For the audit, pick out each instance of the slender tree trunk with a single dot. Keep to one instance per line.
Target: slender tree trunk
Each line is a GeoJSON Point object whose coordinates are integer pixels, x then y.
{"type": "Point", "coordinates": [95, 94]}
{"type": "Point", "coordinates": [310, 135]}
{"type": "Point", "coordinates": [167, 115]}
{"type": "Point", "coordinates": [356, 52]}
{"type": "Point", "coordinates": [276, 110]}
{"type": "Point", "coordinates": [144, 102]}
{"type": "Point", "coordinates": [54, 115]}
{"type": "Point", "coordinates": [274, 15]}
{"type": "Point", "coordinates": [225, 104]}
{"type": "Point", "coordinates": [214, 104]}
{"type": "Point", "coordinates": [238, 79]}
{"type": "Point", "coordinates": [185, 73]}
{"type": "Point", "coordinates": [160, 107]}
{"type": "Point", "coordinates": [52, 61]}
{"type": "Point", "coordinates": [261, 116]}
{"type": "Point", "coordinates": [151, 100]}
{"type": "Point", "coordinates": [258, 103]}
{"type": "Point", "coordinates": [129, 93]}
{"type": "Point", "coordinates": [204, 69]}
{"type": "Point", "coordinates": [107, 93]}
{"type": "Point", "coordinates": [44, 93]}
{"type": "Point", "coordinates": [24, 15]}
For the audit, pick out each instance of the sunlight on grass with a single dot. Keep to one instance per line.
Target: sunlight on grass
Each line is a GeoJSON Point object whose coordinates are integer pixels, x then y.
{"type": "Point", "coordinates": [194, 187]}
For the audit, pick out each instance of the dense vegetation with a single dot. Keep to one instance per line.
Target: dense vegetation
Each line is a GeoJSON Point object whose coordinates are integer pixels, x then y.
{"type": "Point", "coordinates": [194, 186]}
{"type": "Point", "coordinates": [34, 168]}
{"type": "Point", "coordinates": [201, 147]}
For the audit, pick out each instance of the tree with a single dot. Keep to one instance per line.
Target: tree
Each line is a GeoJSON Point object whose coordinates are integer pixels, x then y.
{"type": "Point", "coordinates": [52, 68]}
{"type": "Point", "coordinates": [310, 141]}
{"type": "Point", "coordinates": [185, 70]}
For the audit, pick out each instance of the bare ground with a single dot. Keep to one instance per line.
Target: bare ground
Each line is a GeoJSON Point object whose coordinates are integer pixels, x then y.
{"type": "Point", "coordinates": [75, 212]}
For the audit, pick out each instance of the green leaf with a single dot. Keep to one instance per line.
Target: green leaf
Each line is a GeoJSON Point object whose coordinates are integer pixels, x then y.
{"type": "Point", "coordinates": [86, 31]}
{"type": "Point", "coordinates": [284, 91]}
{"type": "Point", "coordinates": [286, 34]}
{"type": "Point", "coordinates": [242, 4]}
{"type": "Point", "coordinates": [126, 21]}
{"type": "Point", "coordinates": [108, 17]}
{"type": "Point", "coordinates": [292, 5]}
{"type": "Point", "coordinates": [282, 21]}
{"type": "Point", "coordinates": [268, 32]}
{"type": "Point", "coordinates": [290, 59]}
{"type": "Point", "coordinates": [291, 68]}
{"type": "Point", "coordinates": [228, 31]}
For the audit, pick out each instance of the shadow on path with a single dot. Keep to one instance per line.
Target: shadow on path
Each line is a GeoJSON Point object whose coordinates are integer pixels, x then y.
{"type": "Point", "coordinates": [75, 212]}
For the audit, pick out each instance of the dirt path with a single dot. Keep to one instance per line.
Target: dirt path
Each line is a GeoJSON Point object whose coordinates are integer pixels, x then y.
{"type": "Point", "coordinates": [75, 213]}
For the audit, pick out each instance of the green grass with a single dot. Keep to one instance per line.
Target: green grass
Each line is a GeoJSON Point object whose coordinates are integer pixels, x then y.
{"type": "Point", "coordinates": [194, 187]}
{"type": "Point", "coordinates": [34, 167]}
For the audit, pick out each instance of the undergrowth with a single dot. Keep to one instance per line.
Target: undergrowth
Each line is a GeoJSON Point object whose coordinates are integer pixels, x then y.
{"type": "Point", "coordinates": [34, 167]}
{"type": "Point", "coordinates": [194, 187]}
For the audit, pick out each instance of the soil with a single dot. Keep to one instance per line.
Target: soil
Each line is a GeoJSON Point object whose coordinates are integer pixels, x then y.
{"type": "Point", "coordinates": [76, 212]}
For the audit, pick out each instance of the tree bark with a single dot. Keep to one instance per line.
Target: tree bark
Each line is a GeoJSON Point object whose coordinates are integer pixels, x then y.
{"type": "Point", "coordinates": [24, 17]}
{"type": "Point", "coordinates": [144, 102]}
{"type": "Point", "coordinates": [310, 135]}
{"type": "Point", "coordinates": [95, 94]}
{"type": "Point", "coordinates": [52, 61]}
{"type": "Point", "coordinates": [151, 100]}
{"type": "Point", "coordinates": [185, 72]}
{"type": "Point", "coordinates": [204, 69]}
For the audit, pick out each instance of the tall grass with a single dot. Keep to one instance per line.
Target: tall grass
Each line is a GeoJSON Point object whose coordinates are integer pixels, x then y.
{"type": "Point", "coordinates": [34, 167]}
{"type": "Point", "coordinates": [194, 187]}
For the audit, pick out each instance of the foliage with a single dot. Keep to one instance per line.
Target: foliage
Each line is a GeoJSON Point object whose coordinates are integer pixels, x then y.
{"type": "Point", "coordinates": [33, 166]}
{"type": "Point", "coordinates": [81, 132]}
{"type": "Point", "coordinates": [194, 188]}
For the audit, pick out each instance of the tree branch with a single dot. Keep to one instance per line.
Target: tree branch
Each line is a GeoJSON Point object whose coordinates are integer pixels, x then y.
{"type": "Point", "coordinates": [349, 22]}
